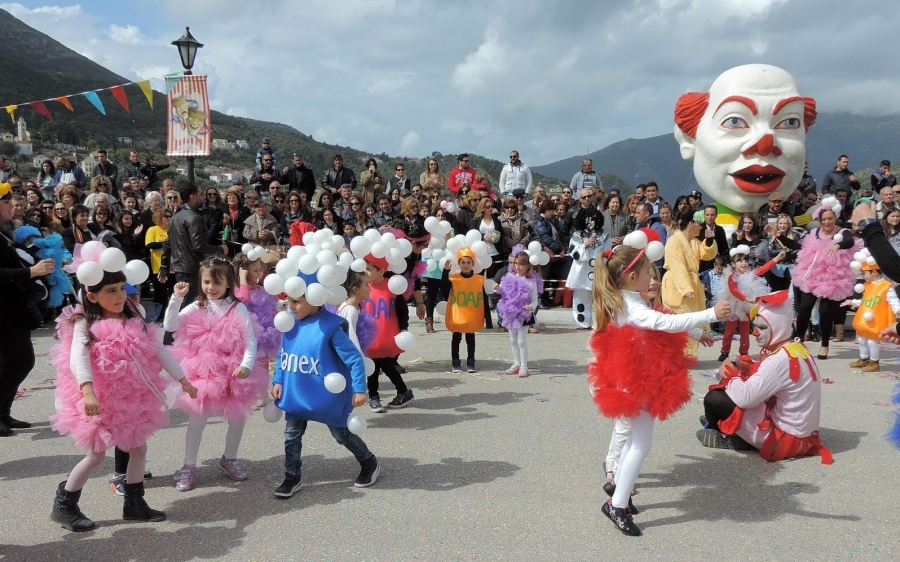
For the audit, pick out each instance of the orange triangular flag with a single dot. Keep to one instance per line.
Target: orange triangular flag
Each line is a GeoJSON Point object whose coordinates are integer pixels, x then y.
{"type": "Point", "coordinates": [118, 92]}
{"type": "Point", "coordinates": [41, 109]}
{"type": "Point", "coordinates": [148, 93]}
{"type": "Point", "coordinates": [65, 101]}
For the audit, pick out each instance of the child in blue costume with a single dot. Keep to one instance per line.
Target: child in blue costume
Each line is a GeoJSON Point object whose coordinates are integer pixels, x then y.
{"type": "Point", "coordinates": [316, 346]}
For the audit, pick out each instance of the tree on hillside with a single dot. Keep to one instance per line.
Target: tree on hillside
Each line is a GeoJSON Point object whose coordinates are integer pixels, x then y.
{"type": "Point", "coordinates": [8, 149]}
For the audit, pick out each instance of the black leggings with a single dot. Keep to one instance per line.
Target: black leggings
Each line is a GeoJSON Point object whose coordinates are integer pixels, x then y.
{"type": "Point", "coordinates": [389, 366]}
{"type": "Point", "coordinates": [455, 340]}
{"type": "Point", "coordinates": [717, 406]}
{"type": "Point", "coordinates": [433, 295]}
{"type": "Point", "coordinates": [16, 361]}
{"type": "Point", "coordinates": [829, 312]}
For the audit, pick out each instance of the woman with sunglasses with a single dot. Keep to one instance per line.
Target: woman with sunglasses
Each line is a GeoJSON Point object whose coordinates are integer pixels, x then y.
{"type": "Point", "coordinates": [292, 213]}
{"type": "Point", "coordinates": [101, 219]}
{"type": "Point", "coordinates": [467, 218]}
{"type": "Point", "coordinates": [372, 181]}
{"type": "Point", "coordinates": [153, 241]}
{"type": "Point", "coordinates": [61, 217]}
{"type": "Point", "coordinates": [278, 206]}
{"type": "Point", "coordinates": [212, 211]}
{"type": "Point", "coordinates": [233, 218]}
{"type": "Point", "coordinates": [173, 201]}
{"type": "Point", "coordinates": [99, 184]}
{"type": "Point", "coordinates": [432, 178]}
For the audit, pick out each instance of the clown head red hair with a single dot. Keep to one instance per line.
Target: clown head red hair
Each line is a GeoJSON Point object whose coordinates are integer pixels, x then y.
{"type": "Point", "coordinates": [746, 136]}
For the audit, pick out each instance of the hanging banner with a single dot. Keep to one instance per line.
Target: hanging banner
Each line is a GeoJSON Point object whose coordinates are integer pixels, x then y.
{"type": "Point", "coordinates": [95, 100]}
{"type": "Point", "coordinates": [41, 109]}
{"type": "Point", "coordinates": [118, 92]}
{"type": "Point", "coordinates": [187, 116]}
{"type": "Point", "coordinates": [148, 93]}
{"type": "Point", "coordinates": [65, 101]}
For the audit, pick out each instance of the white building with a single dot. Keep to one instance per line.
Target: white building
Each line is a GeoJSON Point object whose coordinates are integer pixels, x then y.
{"type": "Point", "coordinates": [242, 144]}
{"type": "Point", "coordinates": [7, 137]}
{"type": "Point", "coordinates": [25, 148]}
{"type": "Point", "coordinates": [22, 130]}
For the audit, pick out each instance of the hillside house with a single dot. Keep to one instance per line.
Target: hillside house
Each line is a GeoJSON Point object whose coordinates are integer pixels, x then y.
{"type": "Point", "coordinates": [220, 178]}
{"type": "Point", "coordinates": [7, 137]}
{"type": "Point", "coordinates": [222, 144]}
{"type": "Point", "coordinates": [242, 144]}
{"type": "Point", "coordinates": [25, 148]}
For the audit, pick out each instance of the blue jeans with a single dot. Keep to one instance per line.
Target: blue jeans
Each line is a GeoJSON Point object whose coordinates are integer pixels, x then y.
{"type": "Point", "coordinates": [293, 444]}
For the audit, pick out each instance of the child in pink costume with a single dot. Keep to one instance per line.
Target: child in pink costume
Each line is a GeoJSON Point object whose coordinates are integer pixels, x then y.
{"type": "Point", "coordinates": [215, 341]}
{"type": "Point", "coordinates": [109, 392]}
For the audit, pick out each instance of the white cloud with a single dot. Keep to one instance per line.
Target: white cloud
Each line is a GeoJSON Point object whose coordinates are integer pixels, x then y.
{"type": "Point", "coordinates": [128, 35]}
{"type": "Point", "coordinates": [55, 12]}
{"type": "Point", "coordinates": [409, 143]}
{"type": "Point", "coordinates": [237, 111]}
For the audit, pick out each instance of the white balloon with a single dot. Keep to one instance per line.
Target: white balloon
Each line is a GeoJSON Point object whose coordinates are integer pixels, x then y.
{"type": "Point", "coordinates": [437, 241]}
{"type": "Point", "coordinates": [869, 260]}
{"type": "Point", "coordinates": [534, 247]}
{"type": "Point", "coordinates": [395, 255]}
{"type": "Point", "coordinates": [868, 316]}
{"type": "Point", "coordinates": [360, 246]}
{"type": "Point", "coordinates": [431, 265]}
{"type": "Point", "coordinates": [91, 250]}
{"type": "Point", "coordinates": [379, 249]}
{"type": "Point", "coordinates": [534, 260]}
{"type": "Point", "coordinates": [446, 227]}
{"type": "Point", "coordinates": [246, 248]}
{"type": "Point", "coordinates": [295, 253]}
{"type": "Point", "coordinates": [479, 247]}
{"type": "Point", "coordinates": [284, 321]}
{"type": "Point", "coordinates": [328, 276]}
{"type": "Point", "coordinates": [860, 256]}
{"type": "Point", "coordinates": [253, 255]}
{"type": "Point", "coordinates": [308, 238]}
{"type": "Point", "coordinates": [345, 259]}
{"type": "Point", "coordinates": [838, 238]}
{"type": "Point", "coordinates": [438, 254]}
{"type": "Point", "coordinates": [370, 366]}
{"type": "Point", "coordinates": [316, 294]}
{"type": "Point", "coordinates": [543, 258]}
{"type": "Point", "coordinates": [441, 308]}
{"type": "Point", "coordinates": [388, 239]}
{"type": "Point", "coordinates": [398, 284]}
{"type": "Point", "coordinates": [451, 208]}
{"type": "Point", "coordinates": [405, 246]}
{"type": "Point", "coordinates": [326, 245]}
{"type": "Point", "coordinates": [136, 272]}
{"type": "Point", "coordinates": [426, 253]}
{"type": "Point", "coordinates": [286, 268]}
{"type": "Point", "coordinates": [638, 239]}
{"type": "Point", "coordinates": [358, 265]}
{"type": "Point", "coordinates": [337, 243]}
{"type": "Point", "coordinates": [483, 261]}
{"type": "Point", "coordinates": [490, 286]}
{"type": "Point", "coordinates": [397, 267]}
{"type": "Point", "coordinates": [432, 225]}
{"type": "Point", "coordinates": [454, 246]}
{"type": "Point", "coordinates": [308, 264]}
{"type": "Point", "coordinates": [372, 235]}
{"type": "Point", "coordinates": [405, 340]}
{"type": "Point", "coordinates": [472, 236]}
{"type": "Point", "coordinates": [112, 259]}
{"type": "Point", "coordinates": [859, 288]}
{"type": "Point", "coordinates": [337, 295]}
{"type": "Point", "coordinates": [294, 287]}
{"type": "Point", "coordinates": [356, 423]}
{"type": "Point", "coordinates": [335, 383]}
{"type": "Point", "coordinates": [272, 413]}
{"type": "Point", "coordinates": [326, 257]}
{"type": "Point", "coordinates": [89, 273]}
{"type": "Point", "coordinates": [273, 284]}
{"type": "Point", "coordinates": [313, 249]}
{"type": "Point", "coordinates": [656, 250]}
{"type": "Point", "coordinates": [855, 265]}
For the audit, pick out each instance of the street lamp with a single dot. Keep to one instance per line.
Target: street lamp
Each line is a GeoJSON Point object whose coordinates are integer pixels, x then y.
{"type": "Point", "coordinates": [187, 49]}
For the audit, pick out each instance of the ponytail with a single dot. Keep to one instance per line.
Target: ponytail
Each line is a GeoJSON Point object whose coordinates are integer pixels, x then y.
{"type": "Point", "coordinates": [607, 279]}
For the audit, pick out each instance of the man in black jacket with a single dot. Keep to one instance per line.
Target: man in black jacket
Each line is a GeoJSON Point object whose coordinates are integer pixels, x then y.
{"type": "Point", "coordinates": [133, 167]}
{"type": "Point", "coordinates": [264, 175]}
{"type": "Point", "coordinates": [299, 177]}
{"type": "Point", "coordinates": [337, 176]}
{"type": "Point", "coordinates": [840, 176]}
{"type": "Point", "coordinates": [187, 246]}
{"type": "Point", "coordinates": [712, 230]}
{"type": "Point", "coordinates": [104, 167]}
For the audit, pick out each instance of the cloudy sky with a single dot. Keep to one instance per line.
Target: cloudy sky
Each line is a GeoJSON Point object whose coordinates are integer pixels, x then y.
{"type": "Point", "coordinates": [551, 78]}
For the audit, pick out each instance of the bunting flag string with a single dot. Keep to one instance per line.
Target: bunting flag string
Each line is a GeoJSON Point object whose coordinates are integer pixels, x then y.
{"type": "Point", "coordinates": [117, 91]}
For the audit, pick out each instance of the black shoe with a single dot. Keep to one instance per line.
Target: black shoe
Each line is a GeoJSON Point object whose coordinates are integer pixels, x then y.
{"type": "Point", "coordinates": [66, 512]}
{"type": "Point", "coordinates": [368, 474]}
{"type": "Point", "coordinates": [621, 519]}
{"type": "Point", "coordinates": [401, 400]}
{"type": "Point", "coordinates": [470, 366]}
{"type": "Point", "coordinates": [375, 405]}
{"type": "Point", "coordinates": [148, 475]}
{"type": "Point", "coordinates": [704, 422]}
{"type": "Point", "coordinates": [723, 356]}
{"type": "Point", "coordinates": [135, 508]}
{"type": "Point", "coordinates": [610, 489]}
{"type": "Point", "coordinates": [457, 368]}
{"type": "Point", "coordinates": [716, 440]}
{"type": "Point", "coordinates": [5, 431]}
{"type": "Point", "coordinates": [13, 423]}
{"type": "Point", "coordinates": [289, 487]}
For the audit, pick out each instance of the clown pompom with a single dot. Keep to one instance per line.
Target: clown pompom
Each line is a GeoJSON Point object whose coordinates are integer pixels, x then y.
{"type": "Point", "coordinates": [588, 242]}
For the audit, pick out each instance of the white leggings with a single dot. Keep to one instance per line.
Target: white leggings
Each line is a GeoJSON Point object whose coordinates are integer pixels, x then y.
{"type": "Point", "coordinates": [196, 424]}
{"type": "Point", "coordinates": [582, 308]}
{"type": "Point", "coordinates": [79, 476]}
{"type": "Point", "coordinates": [621, 433]}
{"type": "Point", "coordinates": [868, 349]}
{"type": "Point", "coordinates": [633, 454]}
{"type": "Point", "coordinates": [519, 347]}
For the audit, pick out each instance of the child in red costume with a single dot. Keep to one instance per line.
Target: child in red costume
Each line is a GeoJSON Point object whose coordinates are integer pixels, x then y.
{"type": "Point", "coordinates": [773, 404]}
{"type": "Point", "coordinates": [741, 290]}
{"type": "Point", "coordinates": [634, 373]}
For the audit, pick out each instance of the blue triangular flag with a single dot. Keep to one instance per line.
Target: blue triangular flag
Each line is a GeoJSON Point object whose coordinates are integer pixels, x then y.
{"type": "Point", "coordinates": [95, 99]}
{"type": "Point", "coordinates": [172, 80]}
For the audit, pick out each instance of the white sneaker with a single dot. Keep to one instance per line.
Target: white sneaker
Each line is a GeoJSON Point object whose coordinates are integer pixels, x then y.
{"type": "Point", "coordinates": [514, 370]}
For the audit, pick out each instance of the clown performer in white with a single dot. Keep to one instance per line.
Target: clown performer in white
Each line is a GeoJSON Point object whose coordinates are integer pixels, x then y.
{"type": "Point", "coordinates": [588, 241]}
{"type": "Point", "coordinates": [746, 137]}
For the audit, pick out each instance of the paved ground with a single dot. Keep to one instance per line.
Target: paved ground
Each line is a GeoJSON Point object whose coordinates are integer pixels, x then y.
{"type": "Point", "coordinates": [480, 467]}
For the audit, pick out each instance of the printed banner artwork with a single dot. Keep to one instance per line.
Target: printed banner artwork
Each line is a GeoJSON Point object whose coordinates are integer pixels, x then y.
{"type": "Point", "coordinates": [188, 116]}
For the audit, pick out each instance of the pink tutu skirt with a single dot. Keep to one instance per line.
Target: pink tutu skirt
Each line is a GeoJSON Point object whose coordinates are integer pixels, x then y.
{"type": "Point", "coordinates": [823, 275]}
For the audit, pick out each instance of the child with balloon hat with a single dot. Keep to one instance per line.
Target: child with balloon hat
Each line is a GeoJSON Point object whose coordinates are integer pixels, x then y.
{"type": "Point", "coordinates": [875, 311]}
{"type": "Point", "coordinates": [319, 376]}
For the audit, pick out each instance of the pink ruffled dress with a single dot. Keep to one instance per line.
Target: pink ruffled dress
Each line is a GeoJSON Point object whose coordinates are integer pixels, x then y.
{"type": "Point", "coordinates": [124, 364]}
{"type": "Point", "coordinates": [210, 344]}
{"type": "Point", "coordinates": [823, 275]}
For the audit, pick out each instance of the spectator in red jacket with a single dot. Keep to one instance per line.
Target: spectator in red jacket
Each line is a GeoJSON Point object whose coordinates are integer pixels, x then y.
{"type": "Point", "coordinates": [461, 175]}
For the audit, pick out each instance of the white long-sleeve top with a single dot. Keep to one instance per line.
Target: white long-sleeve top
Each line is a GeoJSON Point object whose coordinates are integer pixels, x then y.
{"type": "Point", "coordinates": [219, 307]}
{"type": "Point", "coordinates": [80, 357]}
{"type": "Point", "coordinates": [638, 314]}
{"type": "Point", "coordinates": [892, 300]}
{"type": "Point", "coordinates": [351, 314]}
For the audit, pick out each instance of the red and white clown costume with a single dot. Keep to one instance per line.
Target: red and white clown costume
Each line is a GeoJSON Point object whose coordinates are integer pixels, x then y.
{"type": "Point", "coordinates": [773, 404]}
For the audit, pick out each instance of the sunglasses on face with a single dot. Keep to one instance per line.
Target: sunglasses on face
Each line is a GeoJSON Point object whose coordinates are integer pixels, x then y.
{"type": "Point", "coordinates": [58, 209]}
{"type": "Point", "coordinates": [211, 194]}
{"type": "Point", "coordinates": [167, 216]}
{"type": "Point", "coordinates": [354, 204]}
{"type": "Point", "coordinates": [171, 198]}
{"type": "Point", "coordinates": [99, 214]}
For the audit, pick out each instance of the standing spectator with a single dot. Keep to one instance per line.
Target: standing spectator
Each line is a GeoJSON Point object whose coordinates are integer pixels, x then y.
{"type": "Point", "coordinates": [840, 176]}
{"type": "Point", "coordinates": [462, 176]}
{"type": "Point", "coordinates": [233, 219]}
{"type": "Point", "coordinates": [802, 211]}
{"type": "Point", "coordinates": [891, 225]}
{"type": "Point", "coordinates": [887, 202]}
{"type": "Point", "coordinates": [153, 241]}
{"type": "Point", "coordinates": [516, 230]}
{"type": "Point", "coordinates": [546, 233]}
{"type": "Point", "coordinates": [173, 201]}
{"type": "Point", "coordinates": [168, 185]}
{"type": "Point", "coordinates": [299, 177]}
{"type": "Point", "coordinates": [101, 219]}
{"type": "Point", "coordinates": [418, 195]}
{"type": "Point", "coordinates": [150, 170]}
{"type": "Point", "coordinates": [695, 200]}
{"type": "Point", "coordinates": [186, 245]}
{"type": "Point", "coordinates": [432, 178]}
{"type": "Point", "coordinates": [587, 177]}
{"type": "Point", "coordinates": [78, 233]}
{"type": "Point", "coordinates": [264, 175]}
{"type": "Point", "coordinates": [278, 206]}
{"type": "Point", "coordinates": [105, 168]}
{"type": "Point", "coordinates": [265, 150]}
{"type": "Point", "coordinates": [532, 207]}
{"type": "Point", "coordinates": [338, 175]}
{"type": "Point", "coordinates": [616, 221]}
{"type": "Point", "coordinates": [882, 177]}
{"type": "Point", "coordinates": [343, 206]}
{"type": "Point", "coordinates": [651, 195]}
{"type": "Point", "coordinates": [133, 167]}
{"type": "Point", "coordinates": [399, 182]}
{"type": "Point", "coordinates": [749, 234]}
{"type": "Point", "coordinates": [128, 234]}
{"type": "Point", "coordinates": [384, 216]}
{"type": "Point", "coordinates": [646, 218]}
{"type": "Point", "coordinates": [212, 211]}
{"type": "Point", "coordinates": [515, 175]}
{"type": "Point", "coordinates": [46, 178]}
{"type": "Point", "coordinates": [261, 227]}
{"type": "Point", "coordinates": [6, 172]}
{"type": "Point", "coordinates": [709, 229]}
{"type": "Point", "coordinates": [467, 216]}
{"type": "Point", "coordinates": [665, 215]}
{"type": "Point", "coordinates": [153, 201]}
{"type": "Point", "coordinates": [372, 182]}
{"type": "Point", "coordinates": [69, 173]}
{"type": "Point", "coordinates": [807, 182]}
{"type": "Point", "coordinates": [292, 213]}
{"type": "Point", "coordinates": [61, 217]}
{"type": "Point", "coordinates": [769, 212]}
{"type": "Point", "coordinates": [99, 184]}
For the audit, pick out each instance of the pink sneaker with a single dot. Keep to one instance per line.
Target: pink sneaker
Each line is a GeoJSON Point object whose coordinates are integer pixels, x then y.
{"type": "Point", "coordinates": [514, 370]}
{"type": "Point", "coordinates": [232, 469]}
{"type": "Point", "coordinates": [184, 478]}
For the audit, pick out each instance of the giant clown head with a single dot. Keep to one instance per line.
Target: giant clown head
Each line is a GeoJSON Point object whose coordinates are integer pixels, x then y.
{"type": "Point", "coordinates": [746, 136]}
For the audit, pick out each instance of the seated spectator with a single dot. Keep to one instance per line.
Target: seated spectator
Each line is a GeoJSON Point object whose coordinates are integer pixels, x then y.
{"type": "Point", "coordinates": [383, 218]}
{"type": "Point", "coordinates": [327, 218]}
{"type": "Point", "coordinates": [261, 227]}
{"type": "Point", "coordinates": [101, 219]}
{"type": "Point", "coordinates": [99, 184]}
{"type": "Point", "coordinates": [78, 233]}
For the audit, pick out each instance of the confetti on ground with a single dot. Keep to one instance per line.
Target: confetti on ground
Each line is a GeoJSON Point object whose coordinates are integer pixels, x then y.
{"type": "Point", "coordinates": [541, 398]}
{"type": "Point", "coordinates": [891, 375]}
{"type": "Point", "coordinates": [880, 403]}
{"type": "Point", "coordinates": [555, 378]}
{"type": "Point", "coordinates": [827, 381]}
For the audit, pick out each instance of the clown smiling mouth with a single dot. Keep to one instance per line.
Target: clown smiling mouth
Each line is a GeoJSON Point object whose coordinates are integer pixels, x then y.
{"type": "Point", "coordinates": [758, 179]}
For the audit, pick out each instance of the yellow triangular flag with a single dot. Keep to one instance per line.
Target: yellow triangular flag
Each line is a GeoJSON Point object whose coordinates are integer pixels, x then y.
{"type": "Point", "coordinates": [145, 87]}
{"type": "Point", "coordinates": [11, 109]}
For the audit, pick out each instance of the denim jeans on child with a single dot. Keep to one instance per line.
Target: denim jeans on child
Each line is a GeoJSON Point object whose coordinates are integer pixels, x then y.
{"type": "Point", "coordinates": [293, 444]}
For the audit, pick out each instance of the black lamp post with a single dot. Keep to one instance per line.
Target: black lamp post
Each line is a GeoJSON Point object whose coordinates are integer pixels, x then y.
{"type": "Point", "coordinates": [187, 50]}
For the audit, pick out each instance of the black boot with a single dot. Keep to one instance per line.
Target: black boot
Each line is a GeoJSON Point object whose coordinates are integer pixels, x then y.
{"type": "Point", "coordinates": [135, 508]}
{"type": "Point", "coordinates": [66, 512]}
